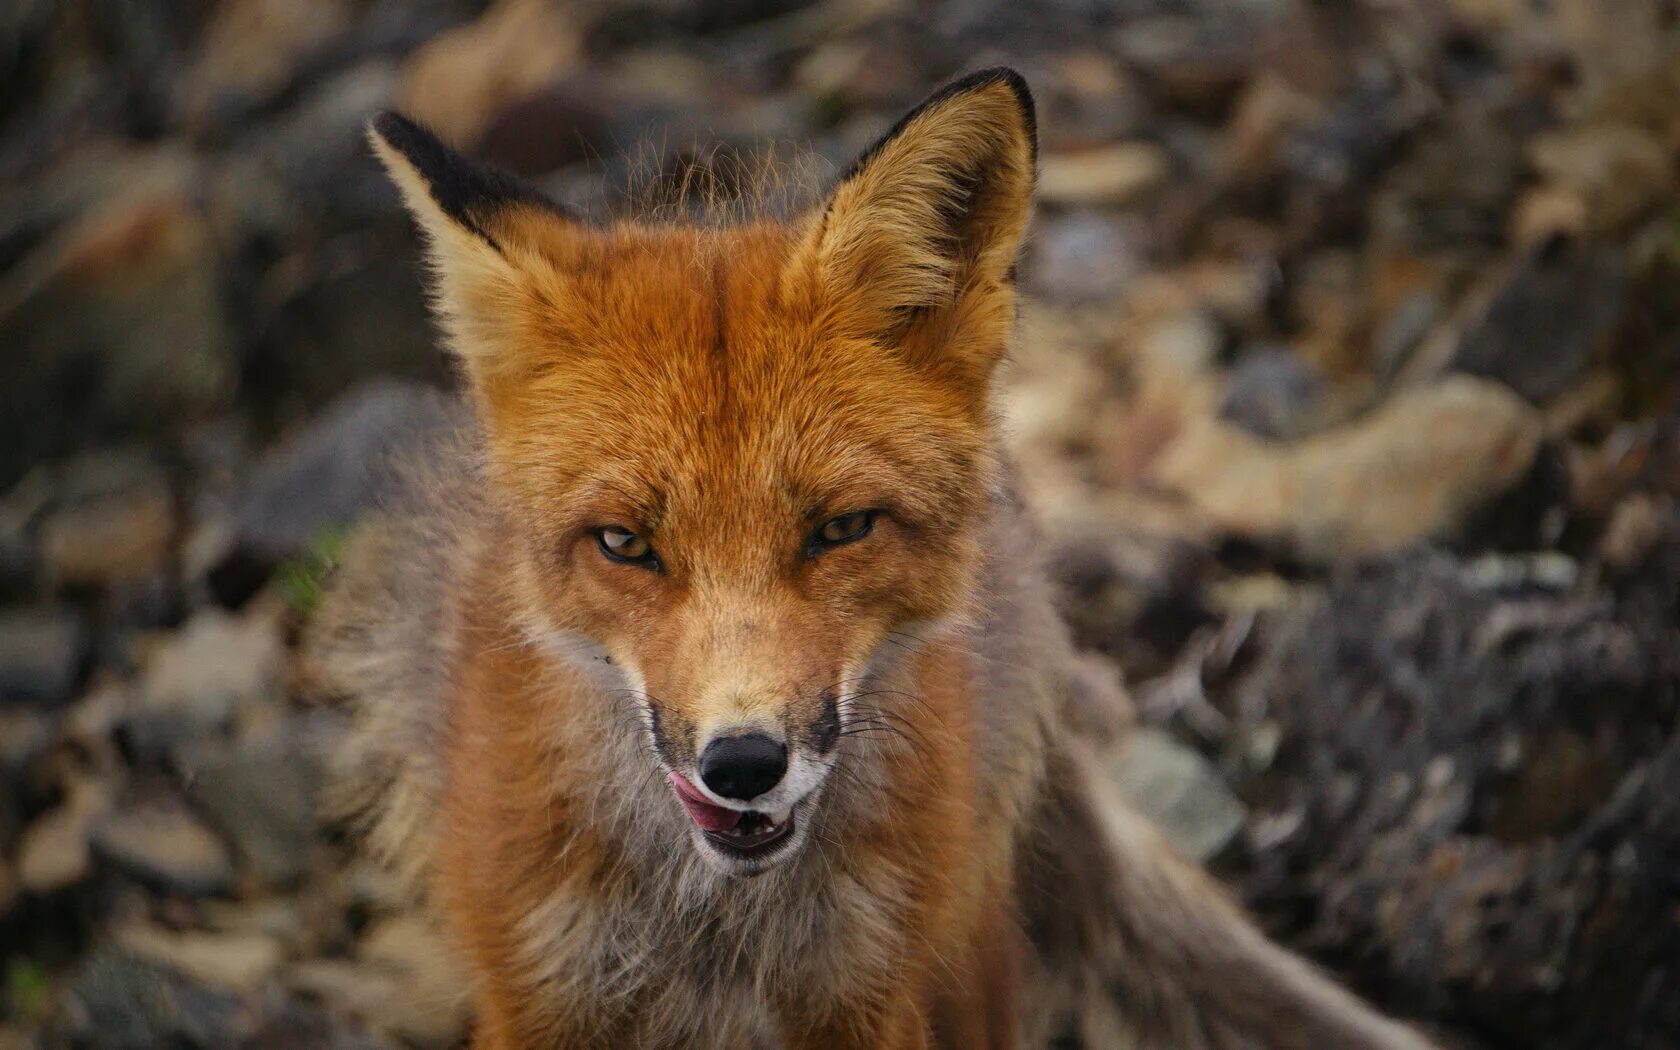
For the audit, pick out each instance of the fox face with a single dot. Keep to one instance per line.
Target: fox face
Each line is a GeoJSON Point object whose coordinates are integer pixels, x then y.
{"type": "Point", "coordinates": [742, 469]}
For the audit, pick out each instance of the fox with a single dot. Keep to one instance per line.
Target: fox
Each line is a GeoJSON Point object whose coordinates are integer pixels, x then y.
{"type": "Point", "coordinates": [706, 684]}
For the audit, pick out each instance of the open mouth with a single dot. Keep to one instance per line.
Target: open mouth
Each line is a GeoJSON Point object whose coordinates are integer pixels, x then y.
{"type": "Point", "coordinates": [747, 834]}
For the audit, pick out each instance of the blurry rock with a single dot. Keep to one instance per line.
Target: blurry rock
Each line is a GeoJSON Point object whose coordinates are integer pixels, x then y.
{"type": "Point", "coordinates": [197, 679]}
{"type": "Point", "coordinates": [1272, 393]}
{"type": "Point", "coordinates": [1117, 174]}
{"type": "Point", "coordinates": [566, 121]}
{"type": "Point", "coordinates": [1087, 98]}
{"type": "Point", "coordinates": [1332, 299]}
{"type": "Point", "coordinates": [1085, 256]}
{"type": "Point", "coordinates": [1191, 64]}
{"type": "Point", "coordinates": [24, 735]}
{"type": "Point", "coordinates": [1610, 39]}
{"type": "Point", "coordinates": [871, 73]}
{"type": "Point", "coordinates": [166, 848]}
{"type": "Point", "coordinates": [1177, 789]}
{"type": "Point", "coordinates": [53, 852]}
{"type": "Point", "coordinates": [1451, 189]}
{"type": "Point", "coordinates": [41, 654]}
{"type": "Point", "coordinates": [1636, 529]}
{"type": "Point", "coordinates": [1329, 158]}
{"type": "Point", "coordinates": [1403, 330]}
{"type": "Point", "coordinates": [325, 475]}
{"type": "Point", "coordinates": [1056, 386]}
{"type": "Point", "coordinates": [298, 1026]}
{"type": "Point", "coordinates": [1188, 342]}
{"type": "Point", "coordinates": [117, 1001]}
{"type": "Point", "coordinates": [118, 539]}
{"type": "Point", "coordinates": [1543, 213]}
{"type": "Point", "coordinates": [282, 919]}
{"type": "Point", "coordinates": [1414, 469]}
{"type": "Point", "coordinates": [20, 506]}
{"type": "Point", "coordinates": [1269, 111]}
{"type": "Point", "coordinates": [262, 793]}
{"type": "Point", "coordinates": [387, 999]}
{"type": "Point", "coordinates": [251, 49]}
{"type": "Point", "coordinates": [307, 173]}
{"type": "Point", "coordinates": [1173, 380]}
{"type": "Point", "coordinates": [1593, 404]}
{"type": "Point", "coordinates": [114, 325]}
{"type": "Point", "coordinates": [241, 961]}
{"type": "Point", "coordinates": [460, 80]}
{"type": "Point", "coordinates": [1617, 172]}
{"type": "Point", "coordinates": [1488, 15]}
{"type": "Point", "coordinates": [1480, 773]}
{"type": "Point", "coordinates": [1128, 571]}
{"type": "Point", "coordinates": [1554, 314]}
{"type": "Point", "coordinates": [90, 722]}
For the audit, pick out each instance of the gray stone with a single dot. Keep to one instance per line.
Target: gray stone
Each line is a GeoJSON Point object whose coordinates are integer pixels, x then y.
{"type": "Point", "coordinates": [116, 324]}
{"type": "Point", "coordinates": [242, 961]}
{"type": "Point", "coordinates": [109, 541]}
{"type": "Point", "coordinates": [165, 847]}
{"type": "Point", "coordinates": [327, 473]}
{"type": "Point", "coordinates": [1086, 256]}
{"type": "Point", "coordinates": [1180, 791]}
{"type": "Point", "coordinates": [1272, 393]}
{"type": "Point", "coordinates": [41, 653]}
{"type": "Point", "coordinates": [1553, 317]}
{"type": "Point", "coordinates": [53, 852]}
{"type": "Point", "coordinates": [117, 1001]}
{"type": "Point", "coordinates": [262, 793]}
{"type": "Point", "coordinates": [197, 680]}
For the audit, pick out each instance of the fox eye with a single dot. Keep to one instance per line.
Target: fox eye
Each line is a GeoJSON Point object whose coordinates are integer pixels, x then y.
{"type": "Point", "coordinates": [844, 529]}
{"type": "Point", "coordinates": [620, 544]}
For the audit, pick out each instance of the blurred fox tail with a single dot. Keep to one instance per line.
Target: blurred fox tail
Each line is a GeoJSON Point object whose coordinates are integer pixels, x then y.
{"type": "Point", "coordinates": [1137, 947]}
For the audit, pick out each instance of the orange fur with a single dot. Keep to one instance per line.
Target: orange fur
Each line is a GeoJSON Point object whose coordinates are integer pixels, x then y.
{"type": "Point", "coordinates": [721, 393]}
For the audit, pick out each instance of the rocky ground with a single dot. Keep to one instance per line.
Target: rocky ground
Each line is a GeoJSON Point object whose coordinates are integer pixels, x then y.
{"type": "Point", "coordinates": [1349, 400]}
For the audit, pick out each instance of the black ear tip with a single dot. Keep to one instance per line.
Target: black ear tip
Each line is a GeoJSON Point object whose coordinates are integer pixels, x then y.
{"type": "Point", "coordinates": [1010, 78]}
{"type": "Point", "coordinates": [408, 137]}
{"type": "Point", "coordinates": [975, 81]}
{"type": "Point", "coordinates": [1005, 75]}
{"type": "Point", "coordinates": [465, 189]}
{"type": "Point", "coordinates": [388, 122]}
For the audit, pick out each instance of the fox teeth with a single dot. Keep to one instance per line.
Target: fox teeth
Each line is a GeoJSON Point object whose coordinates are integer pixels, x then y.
{"type": "Point", "coordinates": [781, 815]}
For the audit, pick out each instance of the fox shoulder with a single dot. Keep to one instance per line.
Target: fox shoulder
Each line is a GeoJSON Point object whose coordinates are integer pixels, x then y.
{"type": "Point", "coordinates": [380, 646]}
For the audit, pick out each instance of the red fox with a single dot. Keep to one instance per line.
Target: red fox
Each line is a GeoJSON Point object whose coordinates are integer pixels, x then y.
{"type": "Point", "coordinates": [711, 690]}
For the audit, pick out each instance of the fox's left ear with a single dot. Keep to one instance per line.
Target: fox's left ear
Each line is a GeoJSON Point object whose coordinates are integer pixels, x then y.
{"type": "Point", "coordinates": [916, 246]}
{"type": "Point", "coordinates": [485, 231]}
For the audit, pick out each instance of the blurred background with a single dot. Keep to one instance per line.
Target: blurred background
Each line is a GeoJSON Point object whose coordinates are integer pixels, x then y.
{"type": "Point", "coordinates": [1347, 395]}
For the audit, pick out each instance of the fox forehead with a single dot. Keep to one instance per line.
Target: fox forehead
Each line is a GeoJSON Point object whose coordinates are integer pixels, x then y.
{"type": "Point", "coordinates": [669, 374]}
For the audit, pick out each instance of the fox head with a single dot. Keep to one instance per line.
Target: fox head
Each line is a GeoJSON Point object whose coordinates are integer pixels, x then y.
{"type": "Point", "coordinates": [742, 467]}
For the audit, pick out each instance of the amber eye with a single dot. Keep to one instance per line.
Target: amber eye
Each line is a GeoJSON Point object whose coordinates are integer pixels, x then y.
{"type": "Point", "coordinates": [620, 544]}
{"type": "Point", "coordinates": [844, 529]}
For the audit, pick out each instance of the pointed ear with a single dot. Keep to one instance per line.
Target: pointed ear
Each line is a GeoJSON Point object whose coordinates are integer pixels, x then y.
{"type": "Point", "coordinates": [916, 246]}
{"type": "Point", "coordinates": [485, 232]}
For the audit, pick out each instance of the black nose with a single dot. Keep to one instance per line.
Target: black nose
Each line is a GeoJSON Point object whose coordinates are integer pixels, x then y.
{"type": "Point", "coordinates": [743, 767]}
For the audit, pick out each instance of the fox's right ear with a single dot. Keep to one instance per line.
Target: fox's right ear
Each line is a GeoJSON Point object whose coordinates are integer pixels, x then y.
{"type": "Point", "coordinates": [485, 232]}
{"type": "Point", "coordinates": [916, 245]}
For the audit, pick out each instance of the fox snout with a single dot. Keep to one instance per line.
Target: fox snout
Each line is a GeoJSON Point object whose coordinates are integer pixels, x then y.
{"type": "Point", "coordinates": [748, 777]}
{"type": "Point", "coordinates": [743, 767]}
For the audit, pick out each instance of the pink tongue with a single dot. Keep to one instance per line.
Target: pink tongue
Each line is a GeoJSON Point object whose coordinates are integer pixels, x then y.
{"type": "Point", "coordinates": [708, 816]}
